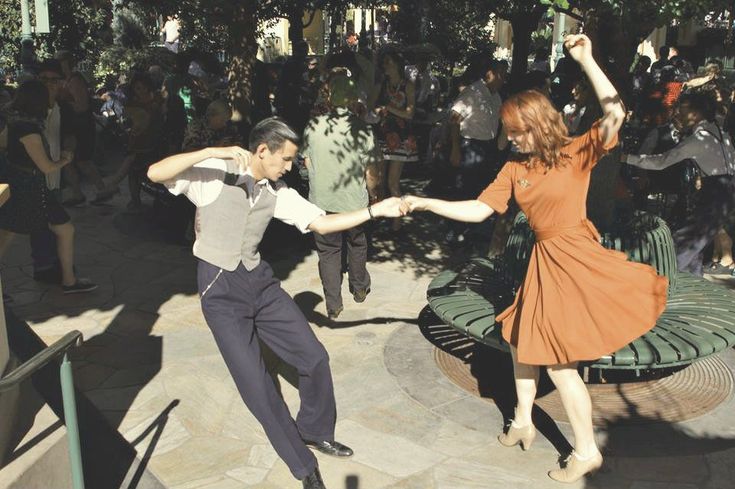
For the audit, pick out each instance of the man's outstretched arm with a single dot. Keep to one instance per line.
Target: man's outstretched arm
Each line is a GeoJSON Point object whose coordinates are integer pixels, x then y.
{"type": "Point", "coordinates": [333, 223]}
{"type": "Point", "coordinates": [168, 168]}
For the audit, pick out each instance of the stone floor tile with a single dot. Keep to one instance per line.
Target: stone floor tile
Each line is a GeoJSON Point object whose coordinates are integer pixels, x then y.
{"type": "Point", "coordinates": [204, 399]}
{"type": "Point", "coordinates": [457, 473]}
{"type": "Point", "coordinates": [472, 413]}
{"type": "Point", "coordinates": [683, 469]}
{"type": "Point", "coordinates": [404, 458]}
{"type": "Point", "coordinates": [151, 396]}
{"type": "Point", "coordinates": [215, 456]}
{"type": "Point", "coordinates": [262, 456]}
{"type": "Point", "coordinates": [91, 376]}
{"type": "Point", "coordinates": [662, 485]}
{"type": "Point", "coordinates": [248, 475]}
{"type": "Point", "coordinates": [423, 480]}
{"type": "Point", "coordinates": [337, 474]}
{"type": "Point", "coordinates": [217, 482]}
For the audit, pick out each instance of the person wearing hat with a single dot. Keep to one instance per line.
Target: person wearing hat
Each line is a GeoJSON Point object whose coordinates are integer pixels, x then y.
{"type": "Point", "coordinates": [341, 158]}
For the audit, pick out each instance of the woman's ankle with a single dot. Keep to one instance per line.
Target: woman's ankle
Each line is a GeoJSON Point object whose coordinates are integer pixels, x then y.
{"type": "Point", "coordinates": [587, 453]}
{"type": "Point", "coordinates": [521, 420]}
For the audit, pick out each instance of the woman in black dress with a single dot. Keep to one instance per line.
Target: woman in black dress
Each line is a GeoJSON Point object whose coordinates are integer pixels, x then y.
{"type": "Point", "coordinates": [32, 207]}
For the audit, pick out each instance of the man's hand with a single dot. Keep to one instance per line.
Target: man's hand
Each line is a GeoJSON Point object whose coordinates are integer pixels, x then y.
{"type": "Point", "coordinates": [412, 203]}
{"type": "Point", "coordinates": [240, 155]}
{"type": "Point", "coordinates": [390, 207]}
{"type": "Point", "coordinates": [579, 47]}
{"type": "Point", "coordinates": [66, 157]}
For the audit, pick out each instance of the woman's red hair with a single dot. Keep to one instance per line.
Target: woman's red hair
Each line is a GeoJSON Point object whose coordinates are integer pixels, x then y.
{"type": "Point", "coordinates": [531, 111]}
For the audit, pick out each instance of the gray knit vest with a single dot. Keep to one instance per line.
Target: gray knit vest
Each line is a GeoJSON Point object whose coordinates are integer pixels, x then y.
{"type": "Point", "coordinates": [229, 230]}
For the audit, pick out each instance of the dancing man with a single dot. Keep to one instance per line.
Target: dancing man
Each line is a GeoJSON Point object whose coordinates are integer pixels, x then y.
{"type": "Point", "coordinates": [236, 193]}
{"type": "Point", "coordinates": [578, 301]}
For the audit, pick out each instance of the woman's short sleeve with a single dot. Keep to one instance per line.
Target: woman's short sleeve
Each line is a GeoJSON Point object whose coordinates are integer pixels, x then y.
{"type": "Point", "coordinates": [590, 146]}
{"type": "Point", "coordinates": [24, 128]}
{"type": "Point", "coordinates": [498, 193]}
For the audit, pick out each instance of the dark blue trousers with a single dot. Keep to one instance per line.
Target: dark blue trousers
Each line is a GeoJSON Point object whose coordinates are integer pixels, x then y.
{"type": "Point", "coordinates": [713, 205]}
{"type": "Point", "coordinates": [244, 307]}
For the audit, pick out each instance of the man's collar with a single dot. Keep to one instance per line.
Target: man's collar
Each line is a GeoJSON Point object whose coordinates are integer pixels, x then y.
{"type": "Point", "coordinates": [263, 181]}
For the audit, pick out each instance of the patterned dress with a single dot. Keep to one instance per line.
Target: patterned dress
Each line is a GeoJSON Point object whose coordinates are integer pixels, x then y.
{"type": "Point", "coordinates": [395, 135]}
{"type": "Point", "coordinates": [32, 206]}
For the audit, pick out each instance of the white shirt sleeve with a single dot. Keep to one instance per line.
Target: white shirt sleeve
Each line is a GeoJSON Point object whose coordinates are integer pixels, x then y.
{"type": "Point", "coordinates": [461, 105]}
{"type": "Point", "coordinates": [295, 210]}
{"type": "Point", "coordinates": [202, 183]}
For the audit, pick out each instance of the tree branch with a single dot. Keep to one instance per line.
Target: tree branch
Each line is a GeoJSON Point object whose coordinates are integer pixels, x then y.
{"type": "Point", "coordinates": [568, 12]}
{"type": "Point", "coordinates": [311, 18]}
{"type": "Point", "coordinates": [317, 6]}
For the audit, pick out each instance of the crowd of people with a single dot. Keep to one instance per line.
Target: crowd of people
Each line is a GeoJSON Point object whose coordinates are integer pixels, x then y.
{"type": "Point", "coordinates": [338, 131]}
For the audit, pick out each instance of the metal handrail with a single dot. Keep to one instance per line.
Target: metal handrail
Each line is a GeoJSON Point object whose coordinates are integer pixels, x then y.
{"type": "Point", "coordinates": [37, 362]}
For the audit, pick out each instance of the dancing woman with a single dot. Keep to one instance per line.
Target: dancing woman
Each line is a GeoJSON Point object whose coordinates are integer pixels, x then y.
{"type": "Point", "coordinates": [578, 301]}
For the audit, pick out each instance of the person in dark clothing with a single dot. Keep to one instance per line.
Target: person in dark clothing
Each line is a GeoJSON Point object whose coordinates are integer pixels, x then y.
{"type": "Point", "coordinates": [32, 207]}
{"type": "Point", "coordinates": [712, 151]}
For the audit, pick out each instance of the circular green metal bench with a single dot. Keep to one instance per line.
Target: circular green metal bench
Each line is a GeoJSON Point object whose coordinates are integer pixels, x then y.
{"type": "Point", "coordinates": [699, 319]}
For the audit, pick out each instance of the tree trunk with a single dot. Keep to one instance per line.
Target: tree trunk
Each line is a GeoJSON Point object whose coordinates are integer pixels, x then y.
{"type": "Point", "coordinates": [243, 49]}
{"type": "Point", "coordinates": [523, 26]}
{"type": "Point", "coordinates": [296, 23]}
{"type": "Point", "coordinates": [621, 36]}
{"type": "Point", "coordinates": [335, 20]}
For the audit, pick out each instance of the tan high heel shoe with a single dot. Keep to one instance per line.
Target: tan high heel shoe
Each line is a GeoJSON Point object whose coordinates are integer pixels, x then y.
{"type": "Point", "coordinates": [576, 468]}
{"type": "Point", "coordinates": [514, 436]}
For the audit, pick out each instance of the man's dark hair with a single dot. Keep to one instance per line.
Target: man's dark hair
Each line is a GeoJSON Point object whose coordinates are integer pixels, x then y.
{"type": "Point", "coordinates": [644, 62]}
{"type": "Point", "coordinates": [702, 102]}
{"type": "Point", "coordinates": [480, 64]}
{"type": "Point", "coordinates": [31, 99]}
{"type": "Point", "coordinates": [273, 132]}
{"type": "Point", "coordinates": [663, 52]}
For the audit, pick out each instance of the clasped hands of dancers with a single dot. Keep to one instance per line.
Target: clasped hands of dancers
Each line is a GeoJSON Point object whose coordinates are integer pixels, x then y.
{"type": "Point", "coordinates": [567, 310]}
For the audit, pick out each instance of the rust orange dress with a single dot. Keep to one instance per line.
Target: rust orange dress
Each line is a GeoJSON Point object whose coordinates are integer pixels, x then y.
{"type": "Point", "coordinates": [579, 300]}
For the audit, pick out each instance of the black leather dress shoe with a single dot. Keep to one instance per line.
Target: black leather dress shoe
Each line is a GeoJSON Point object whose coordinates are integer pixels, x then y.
{"type": "Point", "coordinates": [333, 448]}
{"type": "Point", "coordinates": [314, 480]}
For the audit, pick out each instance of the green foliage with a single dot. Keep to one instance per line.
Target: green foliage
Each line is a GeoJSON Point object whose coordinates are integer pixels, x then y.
{"type": "Point", "coordinates": [649, 12]}
{"type": "Point", "coordinates": [541, 38]}
{"type": "Point", "coordinates": [116, 60]}
{"type": "Point", "coordinates": [9, 33]}
{"type": "Point", "coordinates": [457, 27]}
{"type": "Point", "coordinates": [128, 26]}
{"type": "Point", "coordinates": [75, 26]}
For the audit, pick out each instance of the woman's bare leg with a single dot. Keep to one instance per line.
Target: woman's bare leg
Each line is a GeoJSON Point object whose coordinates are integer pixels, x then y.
{"type": "Point", "coordinates": [578, 406]}
{"type": "Point", "coordinates": [65, 248]}
{"type": "Point", "coordinates": [526, 380]}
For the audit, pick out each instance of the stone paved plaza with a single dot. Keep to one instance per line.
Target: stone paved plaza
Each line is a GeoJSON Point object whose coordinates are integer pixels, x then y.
{"type": "Point", "coordinates": [148, 350]}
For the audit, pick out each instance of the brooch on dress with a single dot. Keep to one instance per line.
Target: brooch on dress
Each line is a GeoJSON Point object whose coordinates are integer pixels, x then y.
{"type": "Point", "coordinates": [524, 183]}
